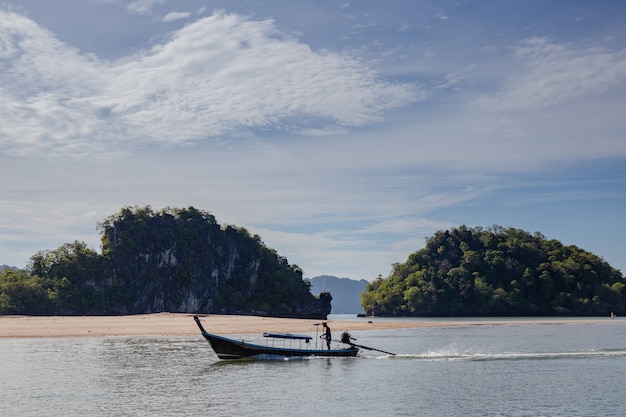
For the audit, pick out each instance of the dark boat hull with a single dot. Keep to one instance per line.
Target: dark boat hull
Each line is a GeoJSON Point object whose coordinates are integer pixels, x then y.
{"type": "Point", "coordinates": [234, 349]}
{"type": "Point", "coordinates": [226, 348]}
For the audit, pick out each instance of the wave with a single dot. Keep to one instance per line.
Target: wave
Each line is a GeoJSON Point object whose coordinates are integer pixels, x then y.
{"type": "Point", "coordinates": [505, 356]}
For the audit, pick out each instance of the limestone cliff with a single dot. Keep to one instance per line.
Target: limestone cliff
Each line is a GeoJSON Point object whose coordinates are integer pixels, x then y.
{"type": "Point", "coordinates": [182, 260]}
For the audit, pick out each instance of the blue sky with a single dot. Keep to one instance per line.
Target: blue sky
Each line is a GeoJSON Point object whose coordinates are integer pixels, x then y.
{"type": "Point", "coordinates": [343, 133]}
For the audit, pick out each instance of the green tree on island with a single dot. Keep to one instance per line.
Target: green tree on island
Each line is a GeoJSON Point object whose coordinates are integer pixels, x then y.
{"type": "Point", "coordinates": [497, 272]}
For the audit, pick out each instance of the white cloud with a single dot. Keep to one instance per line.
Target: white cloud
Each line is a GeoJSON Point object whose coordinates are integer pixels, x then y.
{"type": "Point", "coordinates": [221, 75]}
{"type": "Point", "coordinates": [170, 17]}
{"type": "Point", "coordinates": [143, 7]}
{"type": "Point", "coordinates": [553, 73]}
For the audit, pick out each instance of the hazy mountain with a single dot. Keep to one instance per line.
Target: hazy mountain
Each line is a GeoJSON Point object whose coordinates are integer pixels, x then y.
{"type": "Point", "coordinates": [345, 292]}
{"type": "Point", "coordinates": [3, 267]}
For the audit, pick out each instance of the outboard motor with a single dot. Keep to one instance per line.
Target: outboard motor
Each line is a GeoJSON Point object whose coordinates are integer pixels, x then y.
{"type": "Point", "coordinates": [345, 338]}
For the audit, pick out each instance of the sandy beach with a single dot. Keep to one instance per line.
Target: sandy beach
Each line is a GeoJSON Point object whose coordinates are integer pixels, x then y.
{"type": "Point", "coordinates": [164, 324]}
{"type": "Point", "coordinates": [176, 324]}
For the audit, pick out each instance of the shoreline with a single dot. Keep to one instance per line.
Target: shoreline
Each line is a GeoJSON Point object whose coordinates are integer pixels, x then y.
{"type": "Point", "coordinates": [182, 324]}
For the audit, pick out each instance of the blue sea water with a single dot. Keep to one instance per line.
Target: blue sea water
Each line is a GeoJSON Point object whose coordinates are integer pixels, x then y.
{"type": "Point", "coordinates": [516, 369]}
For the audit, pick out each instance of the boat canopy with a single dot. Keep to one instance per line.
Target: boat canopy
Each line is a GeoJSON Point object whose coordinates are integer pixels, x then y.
{"type": "Point", "coordinates": [288, 336]}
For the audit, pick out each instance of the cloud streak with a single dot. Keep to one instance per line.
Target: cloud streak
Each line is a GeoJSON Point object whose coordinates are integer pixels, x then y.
{"type": "Point", "coordinates": [143, 7]}
{"type": "Point", "coordinates": [554, 73]}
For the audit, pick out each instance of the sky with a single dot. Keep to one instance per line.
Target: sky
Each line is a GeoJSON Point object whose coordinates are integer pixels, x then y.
{"type": "Point", "coordinates": [343, 133]}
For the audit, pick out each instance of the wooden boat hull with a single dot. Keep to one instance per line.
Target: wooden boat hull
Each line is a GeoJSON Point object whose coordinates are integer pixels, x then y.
{"type": "Point", "coordinates": [226, 348]}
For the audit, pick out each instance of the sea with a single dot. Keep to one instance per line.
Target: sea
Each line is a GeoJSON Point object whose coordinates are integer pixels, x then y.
{"type": "Point", "coordinates": [485, 369]}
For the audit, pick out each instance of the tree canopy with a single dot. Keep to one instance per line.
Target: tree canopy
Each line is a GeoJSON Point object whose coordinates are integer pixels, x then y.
{"type": "Point", "coordinates": [496, 272]}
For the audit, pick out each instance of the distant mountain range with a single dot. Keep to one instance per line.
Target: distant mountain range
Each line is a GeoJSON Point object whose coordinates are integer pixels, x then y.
{"type": "Point", "coordinates": [345, 292]}
{"type": "Point", "coordinates": [3, 267]}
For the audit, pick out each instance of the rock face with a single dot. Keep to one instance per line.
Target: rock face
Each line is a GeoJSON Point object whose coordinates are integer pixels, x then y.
{"type": "Point", "coordinates": [182, 260]}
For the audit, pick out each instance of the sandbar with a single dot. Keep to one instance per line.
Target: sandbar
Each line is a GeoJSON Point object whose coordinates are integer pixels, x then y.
{"type": "Point", "coordinates": [180, 324]}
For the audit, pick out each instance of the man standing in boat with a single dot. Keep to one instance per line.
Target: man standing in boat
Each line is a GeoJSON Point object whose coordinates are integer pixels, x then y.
{"type": "Point", "coordinates": [327, 335]}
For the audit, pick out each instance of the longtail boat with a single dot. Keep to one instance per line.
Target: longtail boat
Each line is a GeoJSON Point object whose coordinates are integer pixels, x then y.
{"type": "Point", "coordinates": [226, 348]}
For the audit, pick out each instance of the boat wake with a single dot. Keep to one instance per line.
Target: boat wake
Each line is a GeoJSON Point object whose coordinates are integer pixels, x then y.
{"type": "Point", "coordinates": [504, 356]}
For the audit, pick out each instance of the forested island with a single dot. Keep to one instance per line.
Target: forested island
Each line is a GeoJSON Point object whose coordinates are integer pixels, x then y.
{"type": "Point", "coordinates": [172, 260]}
{"type": "Point", "coordinates": [497, 272]}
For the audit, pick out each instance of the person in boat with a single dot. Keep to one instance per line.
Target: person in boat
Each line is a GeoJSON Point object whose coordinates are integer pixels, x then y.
{"type": "Point", "coordinates": [327, 335]}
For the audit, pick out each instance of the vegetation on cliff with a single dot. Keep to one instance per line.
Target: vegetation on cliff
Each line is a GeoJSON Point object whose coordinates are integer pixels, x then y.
{"type": "Point", "coordinates": [176, 260]}
{"type": "Point", "coordinates": [496, 272]}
